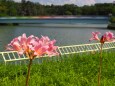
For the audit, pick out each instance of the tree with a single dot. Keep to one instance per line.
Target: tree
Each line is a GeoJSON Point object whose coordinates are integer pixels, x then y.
{"type": "Point", "coordinates": [11, 6]}
{"type": "Point", "coordinates": [28, 8]}
{"type": "Point", "coordinates": [113, 11]}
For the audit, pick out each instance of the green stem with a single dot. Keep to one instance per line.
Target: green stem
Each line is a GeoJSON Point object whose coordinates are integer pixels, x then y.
{"type": "Point", "coordinates": [100, 65]}
{"type": "Point", "coordinates": [28, 74]}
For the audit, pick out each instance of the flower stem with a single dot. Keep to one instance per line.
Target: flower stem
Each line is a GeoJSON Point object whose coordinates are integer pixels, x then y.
{"type": "Point", "coordinates": [100, 65]}
{"type": "Point", "coordinates": [28, 74]}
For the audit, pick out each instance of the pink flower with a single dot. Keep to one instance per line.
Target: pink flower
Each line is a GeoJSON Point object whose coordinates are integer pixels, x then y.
{"type": "Point", "coordinates": [107, 37]}
{"type": "Point", "coordinates": [52, 49]}
{"type": "Point", "coordinates": [39, 50]}
{"type": "Point", "coordinates": [15, 46]}
{"type": "Point", "coordinates": [95, 36]}
{"type": "Point", "coordinates": [33, 46]}
{"type": "Point", "coordinates": [47, 46]}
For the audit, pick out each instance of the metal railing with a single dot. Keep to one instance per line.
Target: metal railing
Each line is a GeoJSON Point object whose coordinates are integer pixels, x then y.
{"type": "Point", "coordinates": [84, 48]}
{"type": "Point", "coordinates": [10, 56]}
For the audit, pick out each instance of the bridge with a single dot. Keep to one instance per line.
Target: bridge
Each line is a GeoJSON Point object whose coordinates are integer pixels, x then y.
{"type": "Point", "coordinates": [13, 56]}
{"type": "Point", "coordinates": [53, 19]}
{"type": "Point", "coordinates": [93, 22]}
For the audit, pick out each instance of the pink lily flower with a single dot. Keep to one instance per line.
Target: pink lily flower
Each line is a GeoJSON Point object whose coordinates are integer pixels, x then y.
{"type": "Point", "coordinates": [15, 46]}
{"type": "Point", "coordinates": [107, 37]}
{"type": "Point", "coordinates": [95, 36]}
{"type": "Point", "coordinates": [33, 46]}
{"type": "Point", "coordinates": [52, 49]}
{"type": "Point", "coordinates": [39, 50]}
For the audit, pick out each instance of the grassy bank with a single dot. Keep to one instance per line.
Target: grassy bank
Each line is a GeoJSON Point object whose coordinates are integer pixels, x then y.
{"type": "Point", "coordinates": [70, 70]}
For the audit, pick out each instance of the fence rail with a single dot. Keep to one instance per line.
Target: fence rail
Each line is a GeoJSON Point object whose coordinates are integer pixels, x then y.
{"type": "Point", "coordinates": [84, 48]}
{"type": "Point", "coordinates": [10, 56]}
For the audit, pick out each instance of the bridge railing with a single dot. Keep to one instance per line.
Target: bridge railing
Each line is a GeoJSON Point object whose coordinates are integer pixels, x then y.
{"type": "Point", "coordinates": [13, 56]}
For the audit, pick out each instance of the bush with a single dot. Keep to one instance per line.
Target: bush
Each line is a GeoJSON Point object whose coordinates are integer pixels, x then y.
{"type": "Point", "coordinates": [112, 19]}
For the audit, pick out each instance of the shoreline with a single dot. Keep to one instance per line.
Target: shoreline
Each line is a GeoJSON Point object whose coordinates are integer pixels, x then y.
{"type": "Point", "coordinates": [111, 26]}
{"type": "Point", "coordinates": [77, 25]}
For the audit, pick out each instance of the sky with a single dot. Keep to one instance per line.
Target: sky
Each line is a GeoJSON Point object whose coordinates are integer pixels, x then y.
{"type": "Point", "coordinates": [76, 2]}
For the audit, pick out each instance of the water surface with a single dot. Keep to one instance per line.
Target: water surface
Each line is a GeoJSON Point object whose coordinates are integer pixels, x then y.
{"type": "Point", "coordinates": [65, 34]}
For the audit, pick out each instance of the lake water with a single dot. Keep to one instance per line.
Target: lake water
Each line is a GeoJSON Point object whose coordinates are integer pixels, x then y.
{"type": "Point", "coordinates": [66, 32]}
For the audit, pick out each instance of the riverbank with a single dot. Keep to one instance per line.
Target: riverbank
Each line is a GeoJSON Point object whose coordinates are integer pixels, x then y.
{"type": "Point", "coordinates": [111, 26]}
{"type": "Point", "coordinates": [112, 23]}
{"type": "Point", "coordinates": [70, 70]}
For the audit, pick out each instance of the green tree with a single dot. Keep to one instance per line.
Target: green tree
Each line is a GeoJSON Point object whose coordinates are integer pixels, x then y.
{"type": "Point", "coordinates": [3, 10]}
{"type": "Point", "coordinates": [113, 11]}
{"type": "Point", "coordinates": [11, 6]}
{"type": "Point", "coordinates": [68, 13]}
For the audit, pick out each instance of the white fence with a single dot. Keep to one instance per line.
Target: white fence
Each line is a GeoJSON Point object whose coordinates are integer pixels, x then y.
{"type": "Point", "coordinates": [10, 56]}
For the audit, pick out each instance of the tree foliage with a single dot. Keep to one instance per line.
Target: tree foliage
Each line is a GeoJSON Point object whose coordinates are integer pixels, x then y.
{"type": "Point", "coordinates": [28, 8]}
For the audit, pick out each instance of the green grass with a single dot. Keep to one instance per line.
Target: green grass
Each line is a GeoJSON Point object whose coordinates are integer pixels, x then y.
{"type": "Point", "coordinates": [70, 70]}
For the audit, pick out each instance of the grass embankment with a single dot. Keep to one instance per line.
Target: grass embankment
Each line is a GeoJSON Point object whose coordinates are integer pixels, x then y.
{"type": "Point", "coordinates": [71, 70]}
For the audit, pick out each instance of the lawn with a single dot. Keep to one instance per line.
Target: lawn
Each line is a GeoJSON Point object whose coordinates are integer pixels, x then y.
{"type": "Point", "coordinates": [70, 70]}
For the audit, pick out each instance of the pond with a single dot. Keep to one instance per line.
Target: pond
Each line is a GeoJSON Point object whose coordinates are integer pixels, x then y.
{"type": "Point", "coordinates": [65, 33]}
